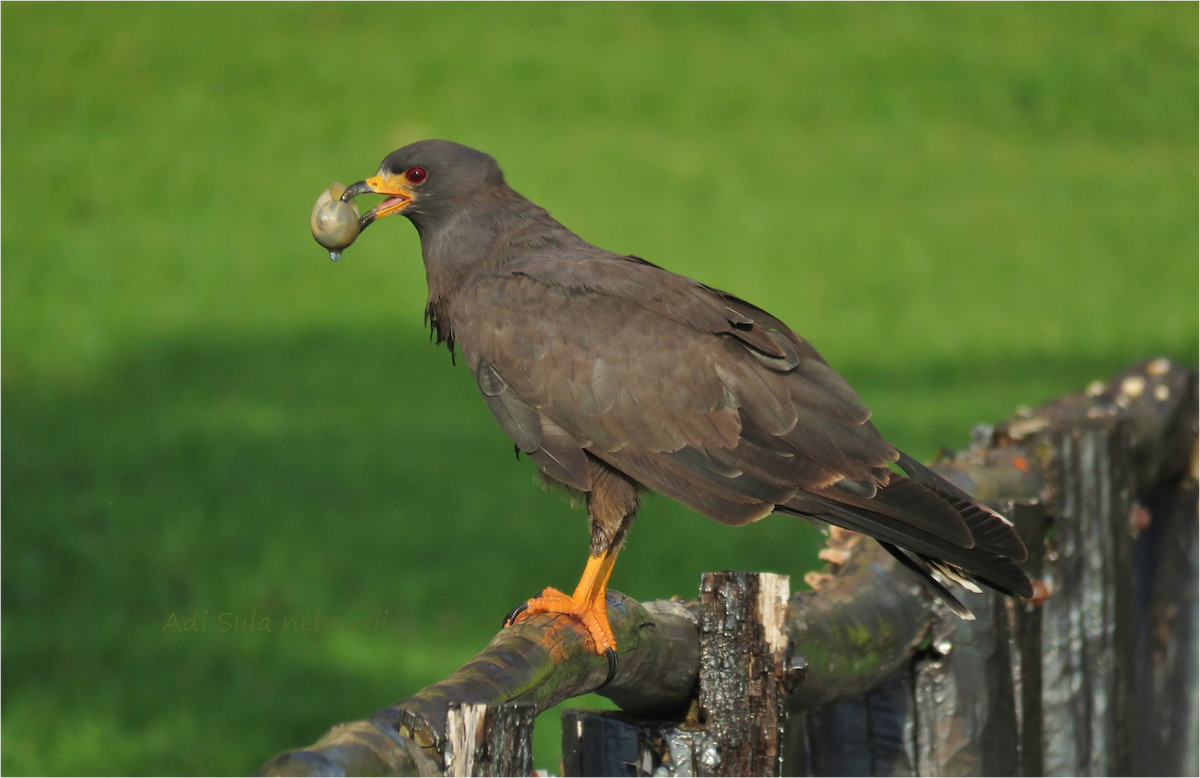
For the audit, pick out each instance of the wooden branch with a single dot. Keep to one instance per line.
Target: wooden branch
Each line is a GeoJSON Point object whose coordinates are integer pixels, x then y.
{"type": "Point", "coordinates": [357, 748]}
{"type": "Point", "coordinates": [543, 661]}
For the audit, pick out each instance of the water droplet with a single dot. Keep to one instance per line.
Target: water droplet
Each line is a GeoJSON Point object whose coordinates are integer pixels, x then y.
{"type": "Point", "coordinates": [335, 255]}
{"type": "Point", "coordinates": [943, 647]}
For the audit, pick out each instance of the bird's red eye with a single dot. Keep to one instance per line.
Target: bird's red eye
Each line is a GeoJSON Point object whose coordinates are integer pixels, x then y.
{"type": "Point", "coordinates": [416, 175]}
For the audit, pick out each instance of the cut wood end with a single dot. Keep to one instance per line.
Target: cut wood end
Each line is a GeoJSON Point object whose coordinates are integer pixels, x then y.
{"type": "Point", "coordinates": [773, 593]}
{"type": "Point", "coordinates": [464, 732]}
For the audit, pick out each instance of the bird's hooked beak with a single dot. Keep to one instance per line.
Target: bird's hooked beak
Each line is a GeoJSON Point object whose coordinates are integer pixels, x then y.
{"type": "Point", "coordinates": [398, 196]}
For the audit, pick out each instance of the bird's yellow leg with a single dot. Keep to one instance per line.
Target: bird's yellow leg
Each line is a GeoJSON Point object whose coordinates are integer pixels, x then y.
{"type": "Point", "coordinates": [586, 605]}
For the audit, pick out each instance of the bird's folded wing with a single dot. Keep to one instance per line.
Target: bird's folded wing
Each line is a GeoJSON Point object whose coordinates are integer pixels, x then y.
{"type": "Point", "coordinates": [637, 364]}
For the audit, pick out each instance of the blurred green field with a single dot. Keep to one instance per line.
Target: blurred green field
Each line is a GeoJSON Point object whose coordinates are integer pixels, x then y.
{"type": "Point", "coordinates": [965, 207]}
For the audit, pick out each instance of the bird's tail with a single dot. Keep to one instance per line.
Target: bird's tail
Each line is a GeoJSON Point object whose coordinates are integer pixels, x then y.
{"type": "Point", "coordinates": [967, 543]}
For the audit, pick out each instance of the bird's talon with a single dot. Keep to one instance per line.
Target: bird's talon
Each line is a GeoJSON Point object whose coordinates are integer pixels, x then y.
{"type": "Point", "coordinates": [511, 618]}
{"type": "Point", "coordinates": [611, 655]}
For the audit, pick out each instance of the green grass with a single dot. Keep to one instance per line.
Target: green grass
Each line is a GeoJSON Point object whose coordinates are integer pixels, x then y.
{"type": "Point", "coordinates": [965, 207]}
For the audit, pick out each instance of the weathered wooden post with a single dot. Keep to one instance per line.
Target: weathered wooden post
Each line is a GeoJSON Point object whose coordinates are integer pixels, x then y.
{"type": "Point", "coordinates": [484, 739]}
{"type": "Point", "coordinates": [1166, 616]}
{"type": "Point", "coordinates": [1097, 675]}
{"type": "Point", "coordinates": [743, 648]}
{"type": "Point", "coordinates": [1103, 455]}
{"type": "Point", "coordinates": [1024, 637]}
{"type": "Point", "coordinates": [1086, 621]}
{"type": "Point", "coordinates": [736, 725]}
{"type": "Point", "coordinates": [1165, 706]}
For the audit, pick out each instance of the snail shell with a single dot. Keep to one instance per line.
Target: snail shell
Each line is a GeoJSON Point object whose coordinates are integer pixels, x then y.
{"type": "Point", "coordinates": [334, 223]}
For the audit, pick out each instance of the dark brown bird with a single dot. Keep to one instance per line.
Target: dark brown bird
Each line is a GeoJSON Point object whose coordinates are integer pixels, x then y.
{"type": "Point", "coordinates": [616, 376]}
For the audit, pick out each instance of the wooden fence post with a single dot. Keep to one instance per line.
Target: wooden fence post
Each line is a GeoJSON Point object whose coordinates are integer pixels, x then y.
{"type": "Point", "coordinates": [1025, 638]}
{"type": "Point", "coordinates": [1087, 653]}
{"type": "Point", "coordinates": [737, 724]}
{"type": "Point", "coordinates": [869, 734]}
{"type": "Point", "coordinates": [484, 739]}
{"type": "Point", "coordinates": [965, 712]}
{"type": "Point", "coordinates": [616, 744]}
{"type": "Point", "coordinates": [743, 647]}
{"type": "Point", "coordinates": [1166, 617]}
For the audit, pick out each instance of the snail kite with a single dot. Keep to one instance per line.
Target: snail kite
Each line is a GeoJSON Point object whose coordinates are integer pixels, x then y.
{"type": "Point", "coordinates": [616, 376]}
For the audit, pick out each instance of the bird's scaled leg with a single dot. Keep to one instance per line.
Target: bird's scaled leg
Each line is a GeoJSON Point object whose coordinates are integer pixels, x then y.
{"type": "Point", "coordinates": [587, 605]}
{"type": "Point", "coordinates": [612, 504]}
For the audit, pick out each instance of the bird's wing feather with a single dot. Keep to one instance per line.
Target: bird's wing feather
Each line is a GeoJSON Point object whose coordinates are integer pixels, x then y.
{"type": "Point", "coordinates": [560, 457]}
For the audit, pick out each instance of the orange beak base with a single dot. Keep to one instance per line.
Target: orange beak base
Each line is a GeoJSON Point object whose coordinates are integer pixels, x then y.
{"type": "Point", "coordinates": [398, 196]}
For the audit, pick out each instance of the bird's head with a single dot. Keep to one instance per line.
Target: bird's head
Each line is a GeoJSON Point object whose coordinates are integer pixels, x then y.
{"type": "Point", "coordinates": [427, 178]}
